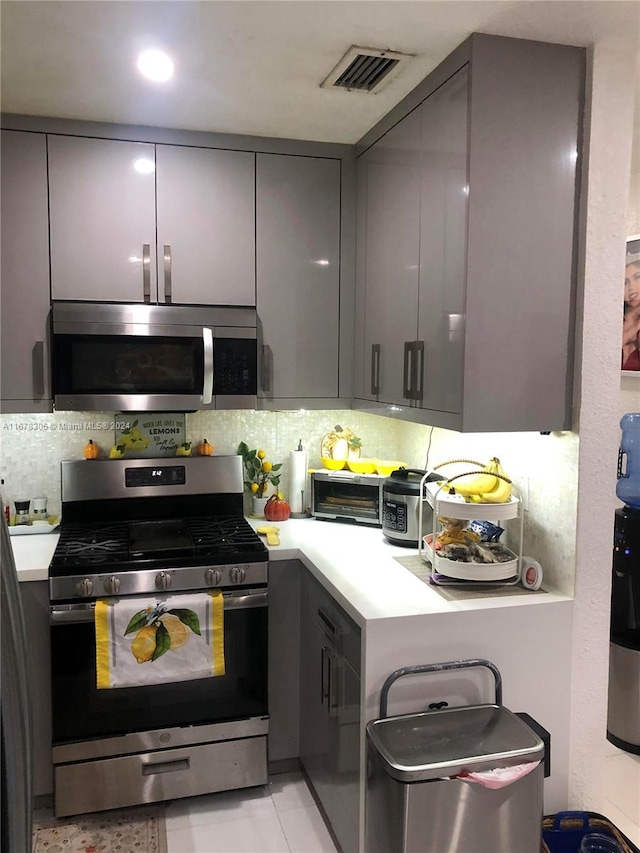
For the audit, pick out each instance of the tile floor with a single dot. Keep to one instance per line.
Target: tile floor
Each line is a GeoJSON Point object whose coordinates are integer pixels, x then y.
{"type": "Point", "coordinates": [280, 817]}
{"type": "Point", "coordinates": [621, 792]}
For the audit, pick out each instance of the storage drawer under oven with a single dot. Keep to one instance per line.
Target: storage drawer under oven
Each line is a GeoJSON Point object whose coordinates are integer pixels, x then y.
{"type": "Point", "coordinates": [344, 496]}
{"type": "Point", "coordinates": [156, 776]}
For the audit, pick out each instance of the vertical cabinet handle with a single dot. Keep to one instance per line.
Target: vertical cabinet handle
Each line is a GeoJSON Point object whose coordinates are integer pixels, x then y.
{"type": "Point", "coordinates": [334, 686]}
{"type": "Point", "coordinates": [166, 256]}
{"type": "Point", "coordinates": [419, 369]}
{"type": "Point", "coordinates": [324, 675]}
{"type": "Point", "coordinates": [207, 380]}
{"type": "Point", "coordinates": [146, 271]}
{"type": "Point", "coordinates": [407, 374]}
{"type": "Point", "coordinates": [375, 369]}
{"type": "Point", "coordinates": [267, 368]}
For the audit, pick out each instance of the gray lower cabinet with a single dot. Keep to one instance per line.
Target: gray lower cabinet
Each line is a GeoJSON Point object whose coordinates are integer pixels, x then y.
{"type": "Point", "coordinates": [467, 206]}
{"type": "Point", "coordinates": [35, 608]}
{"type": "Point", "coordinates": [284, 662]}
{"type": "Point", "coordinates": [298, 276]}
{"type": "Point", "coordinates": [330, 709]}
{"type": "Point", "coordinates": [24, 280]}
{"type": "Point", "coordinates": [139, 222]}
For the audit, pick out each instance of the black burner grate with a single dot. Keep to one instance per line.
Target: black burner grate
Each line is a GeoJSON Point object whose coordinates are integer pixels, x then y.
{"type": "Point", "coordinates": [226, 535]}
{"type": "Point", "coordinates": [210, 540]}
{"type": "Point", "coordinates": [92, 543]}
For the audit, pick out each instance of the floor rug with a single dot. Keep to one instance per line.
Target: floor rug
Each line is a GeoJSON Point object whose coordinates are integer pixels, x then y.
{"type": "Point", "coordinates": [137, 830]}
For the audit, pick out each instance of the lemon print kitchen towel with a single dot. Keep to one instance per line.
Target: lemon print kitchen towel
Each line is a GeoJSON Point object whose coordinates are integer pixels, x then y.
{"type": "Point", "coordinates": [155, 640]}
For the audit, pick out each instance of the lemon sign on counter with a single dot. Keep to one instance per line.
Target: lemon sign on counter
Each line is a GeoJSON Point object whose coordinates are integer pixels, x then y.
{"type": "Point", "coordinates": [149, 435]}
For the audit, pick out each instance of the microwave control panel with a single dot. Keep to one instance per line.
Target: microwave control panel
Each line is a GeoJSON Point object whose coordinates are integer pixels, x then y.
{"type": "Point", "coordinates": [235, 366]}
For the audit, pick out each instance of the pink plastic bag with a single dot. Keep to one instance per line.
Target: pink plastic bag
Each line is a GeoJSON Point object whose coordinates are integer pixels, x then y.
{"type": "Point", "coordinates": [501, 776]}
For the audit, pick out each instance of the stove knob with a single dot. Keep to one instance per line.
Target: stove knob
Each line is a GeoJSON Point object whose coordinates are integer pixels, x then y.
{"type": "Point", "coordinates": [112, 585]}
{"type": "Point", "coordinates": [163, 580]}
{"type": "Point", "coordinates": [84, 587]}
{"type": "Point", "coordinates": [212, 577]}
{"type": "Point", "coordinates": [237, 574]}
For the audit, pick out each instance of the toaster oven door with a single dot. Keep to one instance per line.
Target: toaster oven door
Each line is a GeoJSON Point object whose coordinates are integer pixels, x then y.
{"type": "Point", "coordinates": [340, 497]}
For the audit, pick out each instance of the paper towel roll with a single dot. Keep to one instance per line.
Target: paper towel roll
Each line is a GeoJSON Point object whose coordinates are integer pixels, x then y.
{"type": "Point", "coordinates": [298, 481]}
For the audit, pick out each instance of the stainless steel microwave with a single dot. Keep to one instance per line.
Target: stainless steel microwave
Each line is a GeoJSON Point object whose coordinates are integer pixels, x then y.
{"type": "Point", "coordinates": [162, 358]}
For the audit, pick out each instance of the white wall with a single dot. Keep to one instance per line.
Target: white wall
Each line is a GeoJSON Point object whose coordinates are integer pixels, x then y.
{"type": "Point", "coordinates": [609, 135]}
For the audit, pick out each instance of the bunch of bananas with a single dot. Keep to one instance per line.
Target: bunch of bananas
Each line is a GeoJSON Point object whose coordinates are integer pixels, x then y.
{"type": "Point", "coordinates": [490, 485]}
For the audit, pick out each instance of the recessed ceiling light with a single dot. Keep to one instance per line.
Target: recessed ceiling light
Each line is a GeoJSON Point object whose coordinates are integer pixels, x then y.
{"type": "Point", "coordinates": [155, 65]}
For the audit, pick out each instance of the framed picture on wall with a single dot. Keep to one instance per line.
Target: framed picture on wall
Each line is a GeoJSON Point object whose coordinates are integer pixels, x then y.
{"type": "Point", "coordinates": [631, 315]}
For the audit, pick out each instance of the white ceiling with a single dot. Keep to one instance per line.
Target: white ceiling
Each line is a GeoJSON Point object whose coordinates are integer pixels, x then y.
{"type": "Point", "coordinates": [253, 66]}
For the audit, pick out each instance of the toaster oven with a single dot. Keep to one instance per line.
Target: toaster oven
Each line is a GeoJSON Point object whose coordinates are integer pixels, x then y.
{"type": "Point", "coordinates": [345, 496]}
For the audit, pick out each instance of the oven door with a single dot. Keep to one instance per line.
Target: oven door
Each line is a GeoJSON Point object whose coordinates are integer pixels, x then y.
{"type": "Point", "coordinates": [82, 712]}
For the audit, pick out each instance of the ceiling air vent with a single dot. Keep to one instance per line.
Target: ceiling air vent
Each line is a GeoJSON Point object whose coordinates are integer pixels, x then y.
{"type": "Point", "coordinates": [365, 69]}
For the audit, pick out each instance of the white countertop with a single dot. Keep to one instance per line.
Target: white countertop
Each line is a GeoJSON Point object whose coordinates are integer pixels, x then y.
{"type": "Point", "coordinates": [355, 563]}
{"type": "Point", "coordinates": [32, 555]}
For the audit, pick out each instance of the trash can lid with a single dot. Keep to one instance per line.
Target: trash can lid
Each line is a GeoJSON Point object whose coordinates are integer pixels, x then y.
{"type": "Point", "coordinates": [419, 747]}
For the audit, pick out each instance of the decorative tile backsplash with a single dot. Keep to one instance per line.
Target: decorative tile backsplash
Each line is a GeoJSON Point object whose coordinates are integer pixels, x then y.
{"type": "Point", "coordinates": [543, 467]}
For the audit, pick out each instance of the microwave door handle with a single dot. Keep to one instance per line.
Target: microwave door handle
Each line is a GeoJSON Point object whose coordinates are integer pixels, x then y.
{"type": "Point", "coordinates": [207, 385]}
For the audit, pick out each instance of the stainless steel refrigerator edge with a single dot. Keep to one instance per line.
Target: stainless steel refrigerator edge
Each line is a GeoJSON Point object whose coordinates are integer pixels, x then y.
{"type": "Point", "coordinates": [17, 773]}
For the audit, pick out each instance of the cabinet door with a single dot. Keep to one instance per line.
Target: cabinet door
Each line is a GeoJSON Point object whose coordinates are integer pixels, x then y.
{"type": "Point", "coordinates": [24, 297]}
{"type": "Point", "coordinates": [315, 728]}
{"type": "Point", "coordinates": [392, 256]}
{"type": "Point", "coordinates": [345, 735]}
{"type": "Point", "coordinates": [443, 213]}
{"type": "Point", "coordinates": [298, 274]}
{"type": "Point", "coordinates": [102, 201]}
{"type": "Point", "coordinates": [206, 226]}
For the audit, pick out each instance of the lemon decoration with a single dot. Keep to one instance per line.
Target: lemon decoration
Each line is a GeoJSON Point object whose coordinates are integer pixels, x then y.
{"type": "Point", "coordinates": [177, 630]}
{"type": "Point", "coordinates": [259, 472]}
{"type": "Point", "coordinates": [184, 449]}
{"type": "Point", "coordinates": [144, 644]}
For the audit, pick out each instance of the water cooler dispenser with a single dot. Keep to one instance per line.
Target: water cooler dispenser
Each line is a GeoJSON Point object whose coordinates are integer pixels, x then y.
{"type": "Point", "coordinates": [623, 719]}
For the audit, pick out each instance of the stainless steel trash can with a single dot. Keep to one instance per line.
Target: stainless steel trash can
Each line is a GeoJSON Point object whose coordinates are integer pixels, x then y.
{"type": "Point", "coordinates": [414, 803]}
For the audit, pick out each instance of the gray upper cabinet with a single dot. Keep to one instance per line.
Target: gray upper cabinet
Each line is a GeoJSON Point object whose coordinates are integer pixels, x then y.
{"type": "Point", "coordinates": [439, 348]}
{"type": "Point", "coordinates": [24, 280]}
{"type": "Point", "coordinates": [107, 199]}
{"type": "Point", "coordinates": [489, 144]}
{"type": "Point", "coordinates": [298, 276]}
{"type": "Point", "coordinates": [206, 230]}
{"type": "Point", "coordinates": [389, 180]}
{"type": "Point", "coordinates": [103, 227]}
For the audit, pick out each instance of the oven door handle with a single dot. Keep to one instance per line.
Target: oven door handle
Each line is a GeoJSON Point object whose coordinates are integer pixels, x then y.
{"type": "Point", "coordinates": [241, 601]}
{"type": "Point", "coordinates": [75, 613]}
{"type": "Point", "coordinates": [71, 613]}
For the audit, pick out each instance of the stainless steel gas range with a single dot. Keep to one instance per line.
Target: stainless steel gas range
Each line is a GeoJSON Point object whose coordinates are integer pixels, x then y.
{"type": "Point", "coordinates": [149, 528]}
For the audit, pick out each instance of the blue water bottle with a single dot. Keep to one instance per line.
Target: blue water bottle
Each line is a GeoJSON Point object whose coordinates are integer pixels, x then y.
{"type": "Point", "coordinates": [628, 485]}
